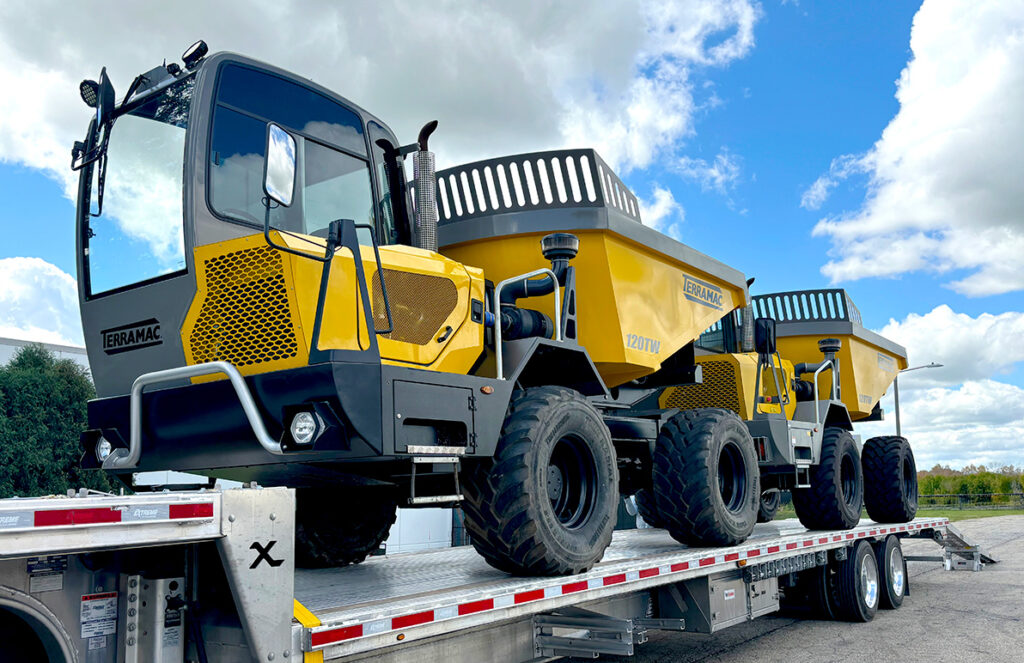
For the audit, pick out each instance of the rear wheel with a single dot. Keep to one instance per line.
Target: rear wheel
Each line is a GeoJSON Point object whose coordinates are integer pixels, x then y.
{"type": "Point", "coordinates": [705, 480]}
{"type": "Point", "coordinates": [890, 480]}
{"type": "Point", "coordinates": [893, 571]}
{"type": "Point", "coordinates": [836, 494]}
{"type": "Point", "coordinates": [546, 503]}
{"type": "Point", "coordinates": [340, 527]}
{"type": "Point", "coordinates": [854, 585]}
{"type": "Point", "coordinates": [647, 508]}
{"type": "Point", "coordinates": [769, 505]}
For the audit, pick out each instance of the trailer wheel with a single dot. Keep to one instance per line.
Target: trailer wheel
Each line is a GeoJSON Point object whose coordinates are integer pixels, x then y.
{"type": "Point", "coordinates": [546, 503]}
{"type": "Point", "coordinates": [647, 508]}
{"type": "Point", "coordinates": [893, 570]}
{"type": "Point", "coordinates": [854, 585]}
{"type": "Point", "coordinates": [705, 478]}
{"type": "Point", "coordinates": [890, 480]}
{"type": "Point", "coordinates": [338, 528]}
{"type": "Point", "coordinates": [836, 494]}
{"type": "Point", "coordinates": [769, 505]}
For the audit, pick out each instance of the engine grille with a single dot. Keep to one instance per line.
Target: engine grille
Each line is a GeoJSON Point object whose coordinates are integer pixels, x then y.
{"type": "Point", "coordinates": [717, 390]}
{"type": "Point", "coordinates": [245, 317]}
{"type": "Point", "coordinates": [420, 303]}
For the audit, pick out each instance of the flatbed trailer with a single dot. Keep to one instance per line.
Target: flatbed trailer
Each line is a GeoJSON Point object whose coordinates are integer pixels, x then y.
{"type": "Point", "coordinates": [103, 578]}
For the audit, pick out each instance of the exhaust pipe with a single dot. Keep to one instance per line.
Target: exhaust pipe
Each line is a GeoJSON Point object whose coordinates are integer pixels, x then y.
{"type": "Point", "coordinates": [426, 198]}
{"type": "Point", "coordinates": [747, 323]}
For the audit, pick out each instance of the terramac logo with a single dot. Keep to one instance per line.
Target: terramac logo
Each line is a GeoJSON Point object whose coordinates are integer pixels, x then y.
{"type": "Point", "coordinates": [141, 334]}
{"type": "Point", "coordinates": [702, 293]}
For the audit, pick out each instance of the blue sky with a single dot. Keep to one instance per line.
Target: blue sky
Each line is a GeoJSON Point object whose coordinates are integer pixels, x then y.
{"type": "Point", "coordinates": [809, 144]}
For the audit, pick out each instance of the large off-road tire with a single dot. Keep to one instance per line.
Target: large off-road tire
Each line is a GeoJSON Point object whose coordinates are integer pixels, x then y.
{"type": "Point", "coordinates": [836, 494]}
{"type": "Point", "coordinates": [892, 571]}
{"type": "Point", "coordinates": [854, 585]}
{"type": "Point", "coordinates": [338, 527]}
{"type": "Point", "coordinates": [546, 503]}
{"type": "Point", "coordinates": [890, 480]}
{"type": "Point", "coordinates": [648, 510]}
{"type": "Point", "coordinates": [705, 478]}
{"type": "Point", "coordinates": [769, 505]}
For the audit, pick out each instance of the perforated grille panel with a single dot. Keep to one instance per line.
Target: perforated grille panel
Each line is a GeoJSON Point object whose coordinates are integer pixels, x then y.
{"type": "Point", "coordinates": [717, 390]}
{"type": "Point", "coordinates": [245, 317]}
{"type": "Point", "coordinates": [419, 303]}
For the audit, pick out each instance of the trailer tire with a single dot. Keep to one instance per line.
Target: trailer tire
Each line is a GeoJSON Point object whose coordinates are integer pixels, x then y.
{"type": "Point", "coordinates": [890, 479]}
{"type": "Point", "coordinates": [328, 536]}
{"type": "Point", "coordinates": [892, 569]}
{"type": "Point", "coordinates": [546, 504]}
{"type": "Point", "coordinates": [705, 478]}
{"type": "Point", "coordinates": [854, 585]}
{"type": "Point", "coordinates": [647, 508]}
{"type": "Point", "coordinates": [836, 495]}
{"type": "Point", "coordinates": [769, 505]}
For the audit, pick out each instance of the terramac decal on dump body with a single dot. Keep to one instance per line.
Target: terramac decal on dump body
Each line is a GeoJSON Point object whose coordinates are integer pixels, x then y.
{"type": "Point", "coordinates": [702, 293]}
{"type": "Point", "coordinates": [141, 334]}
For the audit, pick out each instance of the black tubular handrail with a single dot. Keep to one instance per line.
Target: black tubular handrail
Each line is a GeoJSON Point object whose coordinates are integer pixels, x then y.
{"type": "Point", "coordinates": [533, 181]}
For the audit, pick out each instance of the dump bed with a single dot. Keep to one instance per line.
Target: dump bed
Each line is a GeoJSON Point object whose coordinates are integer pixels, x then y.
{"type": "Point", "coordinates": [868, 362]}
{"type": "Point", "coordinates": [641, 295]}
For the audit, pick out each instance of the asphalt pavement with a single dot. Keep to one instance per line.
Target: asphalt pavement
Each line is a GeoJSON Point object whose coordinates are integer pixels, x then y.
{"type": "Point", "coordinates": [949, 616]}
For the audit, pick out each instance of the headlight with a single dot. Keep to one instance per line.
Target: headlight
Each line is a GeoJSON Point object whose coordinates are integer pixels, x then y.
{"type": "Point", "coordinates": [303, 427]}
{"type": "Point", "coordinates": [103, 449]}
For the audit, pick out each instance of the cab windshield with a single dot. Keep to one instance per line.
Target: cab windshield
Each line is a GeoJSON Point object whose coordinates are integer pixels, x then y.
{"type": "Point", "coordinates": [137, 235]}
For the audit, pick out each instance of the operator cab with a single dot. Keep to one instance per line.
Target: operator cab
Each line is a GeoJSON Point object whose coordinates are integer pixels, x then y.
{"type": "Point", "coordinates": [178, 165]}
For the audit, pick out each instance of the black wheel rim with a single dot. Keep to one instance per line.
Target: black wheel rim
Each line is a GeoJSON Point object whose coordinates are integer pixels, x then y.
{"type": "Point", "coordinates": [732, 478]}
{"type": "Point", "coordinates": [848, 480]}
{"type": "Point", "coordinates": [572, 482]}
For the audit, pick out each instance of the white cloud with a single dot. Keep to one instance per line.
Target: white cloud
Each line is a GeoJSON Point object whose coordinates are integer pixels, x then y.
{"type": "Point", "coordinates": [718, 175]}
{"type": "Point", "coordinates": [944, 191]}
{"type": "Point", "coordinates": [662, 213]}
{"type": "Point", "coordinates": [979, 422]}
{"type": "Point", "coordinates": [38, 302]}
{"type": "Point", "coordinates": [840, 168]}
{"type": "Point", "coordinates": [970, 348]}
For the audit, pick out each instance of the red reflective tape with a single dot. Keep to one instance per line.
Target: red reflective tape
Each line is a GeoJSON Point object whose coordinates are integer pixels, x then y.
{"type": "Point", "coordinates": [873, 532]}
{"type": "Point", "coordinates": [476, 606]}
{"type": "Point", "coordinates": [823, 539]}
{"type": "Point", "coordinates": [861, 535]}
{"type": "Point", "coordinates": [808, 542]}
{"type": "Point", "coordinates": [532, 595]}
{"type": "Point", "coordinates": [59, 517]}
{"type": "Point", "coordinates": [707, 561]}
{"type": "Point", "coordinates": [647, 573]}
{"type": "Point", "coordinates": [574, 587]}
{"type": "Point", "coordinates": [791, 546]}
{"type": "Point", "coordinates": [753, 553]}
{"type": "Point", "coordinates": [406, 621]}
{"type": "Point", "coordinates": [197, 510]}
{"type": "Point", "coordinates": [681, 566]}
{"type": "Point", "coordinates": [731, 557]}
{"type": "Point", "coordinates": [615, 579]}
{"type": "Point", "coordinates": [773, 549]}
{"type": "Point", "coordinates": [849, 536]}
{"type": "Point", "coordinates": [320, 638]}
{"type": "Point", "coordinates": [837, 538]}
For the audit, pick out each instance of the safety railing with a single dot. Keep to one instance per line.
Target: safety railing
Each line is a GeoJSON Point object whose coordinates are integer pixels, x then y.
{"type": "Point", "coordinates": [533, 181]}
{"type": "Point", "coordinates": [807, 306]}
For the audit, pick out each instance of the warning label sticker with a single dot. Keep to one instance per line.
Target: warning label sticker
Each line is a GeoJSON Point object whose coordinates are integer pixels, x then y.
{"type": "Point", "coordinates": [99, 614]}
{"type": "Point", "coordinates": [730, 594]}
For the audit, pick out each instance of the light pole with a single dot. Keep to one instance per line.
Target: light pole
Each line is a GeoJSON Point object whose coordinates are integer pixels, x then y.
{"type": "Point", "coordinates": [896, 391]}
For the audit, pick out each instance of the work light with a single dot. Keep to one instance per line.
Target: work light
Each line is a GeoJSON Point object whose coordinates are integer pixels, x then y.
{"type": "Point", "coordinates": [303, 428]}
{"type": "Point", "coordinates": [90, 92]}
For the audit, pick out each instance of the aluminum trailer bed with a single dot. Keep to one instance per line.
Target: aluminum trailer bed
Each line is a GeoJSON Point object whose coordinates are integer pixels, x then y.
{"type": "Point", "coordinates": [444, 605]}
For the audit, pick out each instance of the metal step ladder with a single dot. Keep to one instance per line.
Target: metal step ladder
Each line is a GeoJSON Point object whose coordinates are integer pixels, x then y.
{"type": "Point", "coordinates": [958, 553]}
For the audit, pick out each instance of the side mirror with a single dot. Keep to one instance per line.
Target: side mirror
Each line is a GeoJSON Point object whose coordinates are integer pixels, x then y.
{"type": "Point", "coordinates": [764, 336]}
{"type": "Point", "coordinates": [279, 165]}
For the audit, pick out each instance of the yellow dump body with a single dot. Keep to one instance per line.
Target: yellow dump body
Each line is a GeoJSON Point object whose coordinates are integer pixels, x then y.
{"type": "Point", "coordinates": [868, 362]}
{"type": "Point", "coordinates": [641, 296]}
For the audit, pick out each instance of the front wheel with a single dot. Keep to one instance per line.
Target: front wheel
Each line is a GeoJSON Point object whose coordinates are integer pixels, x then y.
{"type": "Point", "coordinates": [836, 495]}
{"type": "Point", "coordinates": [705, 479]}
{"type": "Point", "coordinates": [546, 503]}
{"type": "Point", "coordinates": [326, 535]}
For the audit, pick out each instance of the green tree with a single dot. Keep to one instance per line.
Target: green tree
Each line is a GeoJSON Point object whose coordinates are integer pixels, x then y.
{"type": "Point", "coordinates": [42, 413]}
